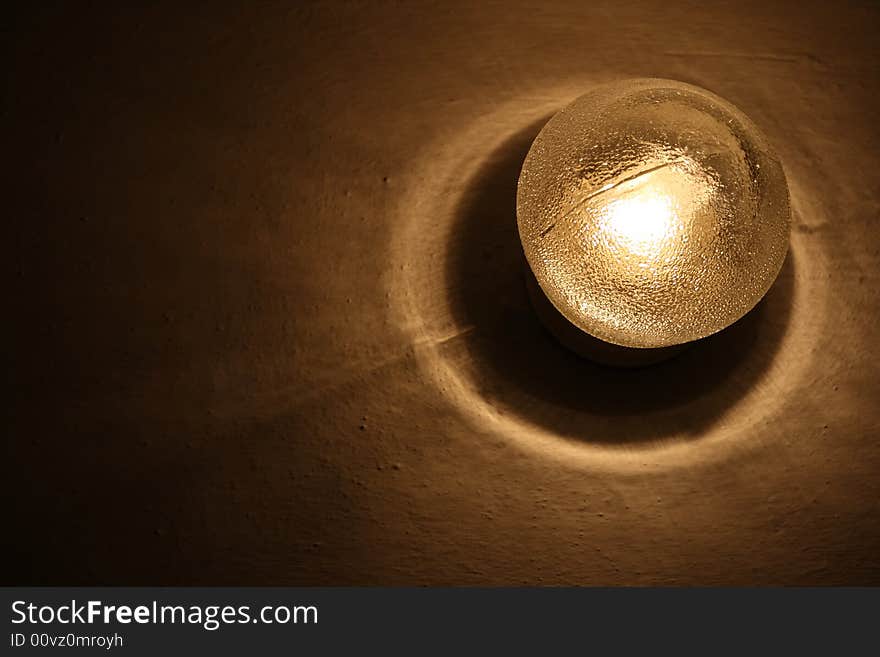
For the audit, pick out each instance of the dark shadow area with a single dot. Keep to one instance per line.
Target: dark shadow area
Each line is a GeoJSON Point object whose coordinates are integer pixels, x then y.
{"type": "Point", "coordinates": [521, 370]}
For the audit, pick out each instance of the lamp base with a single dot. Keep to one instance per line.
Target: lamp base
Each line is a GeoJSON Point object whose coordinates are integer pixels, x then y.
{"type": "Point", "coordinates": [584, 344]}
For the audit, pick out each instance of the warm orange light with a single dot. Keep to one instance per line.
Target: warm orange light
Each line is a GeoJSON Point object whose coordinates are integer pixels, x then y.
{"type": "Point", "coordinates": [641, 224]}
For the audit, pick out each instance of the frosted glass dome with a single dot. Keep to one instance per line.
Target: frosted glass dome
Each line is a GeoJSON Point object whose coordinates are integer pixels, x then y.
{"type": "Point", "coordinates": [652, 213]}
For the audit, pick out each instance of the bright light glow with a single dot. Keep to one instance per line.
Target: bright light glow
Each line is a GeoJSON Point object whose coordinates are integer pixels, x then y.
{"type": "Point", "coordinates": [640, 223]}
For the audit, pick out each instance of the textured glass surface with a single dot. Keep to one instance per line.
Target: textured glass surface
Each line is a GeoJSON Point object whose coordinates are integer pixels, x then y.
{"type": "Point", "coordinates": [652, 213]}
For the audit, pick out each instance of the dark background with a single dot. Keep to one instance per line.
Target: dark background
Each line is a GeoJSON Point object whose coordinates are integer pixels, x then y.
{"type": "Point", "coordinates": [269, 325]}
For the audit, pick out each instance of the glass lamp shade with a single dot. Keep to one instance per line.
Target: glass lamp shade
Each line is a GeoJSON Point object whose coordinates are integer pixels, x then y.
{"type": "Point", "coordinates": [652, 213]}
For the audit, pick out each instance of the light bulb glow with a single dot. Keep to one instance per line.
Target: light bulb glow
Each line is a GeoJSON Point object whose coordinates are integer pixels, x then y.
{"type": "Point", "coordinates": [641, 224]}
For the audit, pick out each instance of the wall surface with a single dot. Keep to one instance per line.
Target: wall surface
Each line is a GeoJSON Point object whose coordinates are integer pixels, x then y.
{"type": "Point", "coordinates": [270, 326]}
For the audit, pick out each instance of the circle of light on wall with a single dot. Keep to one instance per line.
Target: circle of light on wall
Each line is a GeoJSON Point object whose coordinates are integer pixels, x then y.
{"type": "Point", "coordinates": [652, 213]}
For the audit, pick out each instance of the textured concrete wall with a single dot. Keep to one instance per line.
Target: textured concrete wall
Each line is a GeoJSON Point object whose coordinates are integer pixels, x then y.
{"type": "Point", "coordinates": [269, 324]}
